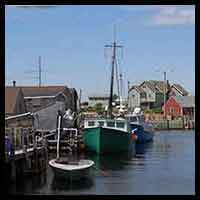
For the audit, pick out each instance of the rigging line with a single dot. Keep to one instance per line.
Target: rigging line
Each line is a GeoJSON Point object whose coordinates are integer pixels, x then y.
{"type": "Point", "coordinates": [106, 59]}
{"type": "Point", "coordinates": [117, 78]}
{"type": "Point", "coordinates": [107, 67]}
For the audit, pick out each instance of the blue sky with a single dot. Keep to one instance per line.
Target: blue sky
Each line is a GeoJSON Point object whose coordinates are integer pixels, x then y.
{"type": "Point", "coordinates": [71, 41]}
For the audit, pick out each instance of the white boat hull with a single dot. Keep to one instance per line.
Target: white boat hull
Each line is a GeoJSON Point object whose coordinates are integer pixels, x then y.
{"type": "Point", "coordinates": [71, 171]}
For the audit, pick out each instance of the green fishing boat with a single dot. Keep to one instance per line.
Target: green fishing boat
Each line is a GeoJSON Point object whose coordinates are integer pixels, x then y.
{"type": "Point", "coordinates": [109, 135]}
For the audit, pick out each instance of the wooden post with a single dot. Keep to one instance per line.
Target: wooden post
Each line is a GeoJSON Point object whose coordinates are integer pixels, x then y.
{"type": "Point", "coordinates": [167, 124]}
{"type": "Point", "coordinates": [22, 140]}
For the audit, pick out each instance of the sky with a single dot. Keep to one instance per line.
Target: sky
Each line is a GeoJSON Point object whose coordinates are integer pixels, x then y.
{"type": "Point", "coordinates": [70, 40]}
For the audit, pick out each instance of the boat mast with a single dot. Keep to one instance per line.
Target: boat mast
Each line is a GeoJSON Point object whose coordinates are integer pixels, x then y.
{"type": "Point", "coordinates": [113, 46]}
{"type": "Point", "coordinates": [120, 97]}
{"type": "Point", "coordinates": [112, 81]}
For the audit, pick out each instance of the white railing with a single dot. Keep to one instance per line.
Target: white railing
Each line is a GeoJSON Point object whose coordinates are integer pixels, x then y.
{"type": "Point", "coordinates": [105, 123]}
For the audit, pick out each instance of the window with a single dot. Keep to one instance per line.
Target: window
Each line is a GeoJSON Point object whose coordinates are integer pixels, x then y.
{"type": "Point", "coordinates": [141, 118]}
{"type": "Point", "coordinates": [133, 119]}
{"type": "Point", "coordinates": [111, 124]}
{"type": "Point", "coordinates": [91, 123]}
{"type": "Point", "coordinates": [120, 124]}
{"type": "Point", "coordinates": [172, 110]}
{"type": "Point", "coordinates": [101, 123]}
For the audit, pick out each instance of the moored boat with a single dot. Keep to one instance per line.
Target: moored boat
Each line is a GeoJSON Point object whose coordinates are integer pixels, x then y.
{"type": "Point", "coordinates": [108, 136]}
{"type": "Point", "coordinates": [72, 170]}
{"type": "Point", "coordinates": [143, 130]}
{"type": "Point", "coordinates": [75, 170]}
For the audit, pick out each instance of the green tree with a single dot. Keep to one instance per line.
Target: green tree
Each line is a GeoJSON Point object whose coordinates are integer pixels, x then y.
{"type": "Point", "coordinates": [90, 109]}
{"type": "Point", "coordinates": [99, 108]}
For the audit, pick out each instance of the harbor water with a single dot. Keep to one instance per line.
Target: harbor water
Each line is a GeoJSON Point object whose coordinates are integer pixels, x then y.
{"type": "Point", "coordinates": [165, 166]}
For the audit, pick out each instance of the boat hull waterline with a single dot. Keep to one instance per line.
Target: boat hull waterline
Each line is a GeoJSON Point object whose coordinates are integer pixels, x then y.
{"type": "Point", "coordinates": [143, 135]}
{"type": "Point", "coordinates": [106, 140]}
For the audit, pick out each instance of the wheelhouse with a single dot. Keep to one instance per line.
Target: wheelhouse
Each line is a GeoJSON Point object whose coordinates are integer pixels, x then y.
{"type": "Point", "coordinates": [108, 123]}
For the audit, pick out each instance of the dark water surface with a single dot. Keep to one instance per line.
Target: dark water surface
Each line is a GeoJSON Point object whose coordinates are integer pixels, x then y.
{"type": "Point", "coordinates": [165, 166]}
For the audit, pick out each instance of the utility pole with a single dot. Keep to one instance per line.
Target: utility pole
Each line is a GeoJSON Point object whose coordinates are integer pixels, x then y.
{"type": "Point", "coordinates": [40, 71]}
{"type": "Point", "coordinates": [113, 46]}
{"type": "Point", "coordinates": [164, 71]}
{"type": "Point", "coordinates": [164, 90]}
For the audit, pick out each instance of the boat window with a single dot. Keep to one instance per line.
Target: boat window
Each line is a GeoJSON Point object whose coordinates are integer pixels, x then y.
{"type": "Point", "coordinates": [111, 124]}
{"type": "Point", "coordinates": [133, 119]}
{"type": "Point", "coordinates": [141, 119]}
{"type": "Point", "coordinates": [91, 123]}
{"type": "Point", "coordinates": [120, 124]}
{"type": "Point", "coordinates": [101, 123]}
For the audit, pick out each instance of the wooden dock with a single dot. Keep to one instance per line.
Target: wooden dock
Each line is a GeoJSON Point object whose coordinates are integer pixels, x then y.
{"type": "Point", "coordinates": [28, 155]}
{"type": "Point", "coordinates": [31, 147]}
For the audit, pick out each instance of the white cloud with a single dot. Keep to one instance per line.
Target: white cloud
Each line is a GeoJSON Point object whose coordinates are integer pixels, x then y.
{"type": "Point", "coordinates": [171, 15]}
{"type": "Point", "coordinates": [164, 14]}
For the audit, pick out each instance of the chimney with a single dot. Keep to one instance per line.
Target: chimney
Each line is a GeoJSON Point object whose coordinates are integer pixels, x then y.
{"type": "Point", "coordinates": [14, 83]}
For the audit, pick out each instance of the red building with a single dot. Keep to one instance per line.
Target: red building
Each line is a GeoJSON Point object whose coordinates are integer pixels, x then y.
{"type": "Point", "coordinates": [177, 106]}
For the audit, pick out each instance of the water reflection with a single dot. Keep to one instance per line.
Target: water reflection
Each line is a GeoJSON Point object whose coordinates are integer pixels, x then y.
{"type": "Point", "coordinates": [28, 184]}
{"type": "Point", "coordinates": [64, 184]}
{"type": "Point", "coordinates": [142, 148]}
{"type": "Point", "coordinates": [109, 162]}
{"type": "Point", "coordinates": [153, 170]}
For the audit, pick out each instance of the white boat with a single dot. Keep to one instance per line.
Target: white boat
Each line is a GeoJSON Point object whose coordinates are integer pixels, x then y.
{"type": "Point", "coordinates": [72, 170]}
{"type": "Point", "coordinates": [64, 168]}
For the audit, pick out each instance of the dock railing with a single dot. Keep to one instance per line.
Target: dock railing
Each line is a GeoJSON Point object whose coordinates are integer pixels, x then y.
{"type": "Point", "coordinates": [21, 140]}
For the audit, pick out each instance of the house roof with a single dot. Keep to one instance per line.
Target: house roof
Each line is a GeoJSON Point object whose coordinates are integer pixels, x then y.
{"type": "Point", "coordinates": [33, 91]}
{"type": "Point", "coordinates": [180, 89]}
{"type": "Point", "coordinates": [185, 101]}
{"type": "Point", "coordinates": [155, 86]}
{"type": "Point", "coordinates": [11, 94]}
{"type": "Point", "coordinates": [137, 88]}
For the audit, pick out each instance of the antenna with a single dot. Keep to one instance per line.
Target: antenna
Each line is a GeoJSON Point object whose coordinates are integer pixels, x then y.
{"type": "Point", "coordinates": [39, 72]}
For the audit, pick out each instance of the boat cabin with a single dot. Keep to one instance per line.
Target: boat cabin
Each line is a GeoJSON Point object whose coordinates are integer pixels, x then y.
{"type": "Point", "coordinates": [135, 118]}
{"type": "Point", "coordinates": [107, 123]}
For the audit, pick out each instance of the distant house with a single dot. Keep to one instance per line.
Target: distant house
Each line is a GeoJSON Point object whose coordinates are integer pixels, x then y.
{"type": "Point", "coordinates": [178, 106]}
{"type": "Point", "coordinates": [96, 99]}
{"type": "Point", "coordinates": [135, 97]}
{"type": "Point", "coordinates": [178, 90]}
{"type": "Point", "coordinates": [38, 97]}
{"type": "Point", "coordinates": [148, 95]}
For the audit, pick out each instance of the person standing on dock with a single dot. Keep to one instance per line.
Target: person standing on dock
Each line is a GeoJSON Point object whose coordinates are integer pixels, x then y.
{"type": "Point", "coordinates": [9, 146]}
